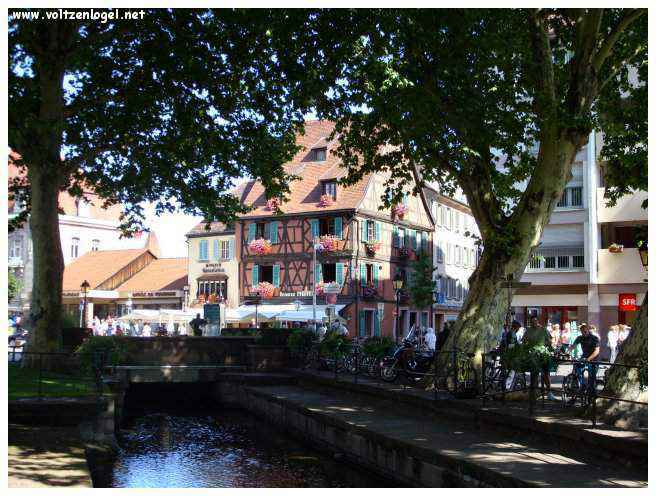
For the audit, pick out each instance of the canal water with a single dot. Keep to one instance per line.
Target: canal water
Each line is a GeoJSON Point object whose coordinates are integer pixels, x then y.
{"type": "Point", "coordinates": [206, 445]}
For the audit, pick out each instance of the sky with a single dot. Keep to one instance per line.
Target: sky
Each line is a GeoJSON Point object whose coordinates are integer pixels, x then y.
{"type": "Point", "coordinates": [170, 229]}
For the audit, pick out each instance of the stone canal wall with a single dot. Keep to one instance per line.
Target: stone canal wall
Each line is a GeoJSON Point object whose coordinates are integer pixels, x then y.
{"type": "Point", "coordinates": [407, 465]}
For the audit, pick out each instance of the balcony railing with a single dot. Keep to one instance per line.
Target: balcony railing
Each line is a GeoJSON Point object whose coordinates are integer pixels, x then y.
{"type": "Point", "coordinates": [15, 262]}
{"type": "Point", "coordinates": [558, 259]}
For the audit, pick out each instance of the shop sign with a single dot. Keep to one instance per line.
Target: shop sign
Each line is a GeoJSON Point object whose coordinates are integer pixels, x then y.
{"type": "Point", "coordinates": [296, 293]}
{"type": "Point", "coordinates": [68, 294]}
{"type": "Point", "coordinates": [150, 294]}
{"type": "Point", "coordinates": [628, 302]}
{"type": "Point", "coordinates": [213, 267]}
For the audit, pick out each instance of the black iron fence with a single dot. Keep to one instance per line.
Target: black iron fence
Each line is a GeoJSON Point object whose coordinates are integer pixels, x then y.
{"type": "Point", "coordinates": [50, 375]}
{"type": "Point", "coordinates": [454, 372]}
{"type": "Point", "coordinates": [582, 387]}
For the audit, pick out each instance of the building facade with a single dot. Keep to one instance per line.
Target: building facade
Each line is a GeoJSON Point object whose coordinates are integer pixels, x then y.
{"type": "Point", "coordinates": [84, 226]}
{"type": "Point", "coordinates": [455, 253]}
{"type": "Point", "coordinates": [576, 274]}
{"type": "Point", "coordinates": [368, 247]}
{"type": "Point", "coordinates": [213, 265]}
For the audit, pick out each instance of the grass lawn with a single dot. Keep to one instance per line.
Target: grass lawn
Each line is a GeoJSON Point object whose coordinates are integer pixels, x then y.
{"type": "Point", "coordinates": [23, 383]}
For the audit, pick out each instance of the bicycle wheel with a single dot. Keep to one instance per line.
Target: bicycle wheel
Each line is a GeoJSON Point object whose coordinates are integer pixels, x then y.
{"type": "Point", "coordinates": [570, 388]}
{"type": "Point", "coordinates": [519, 381]}
{"type": "Point", "coordinates": [351, 364]}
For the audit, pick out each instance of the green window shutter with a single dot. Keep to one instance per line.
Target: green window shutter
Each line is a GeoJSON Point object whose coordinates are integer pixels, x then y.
{"type": "Point", "coordinates": [314, 227]}
{"type": "Point", "coordinates": [365, 232]}
{"type": "Point", "coordinates": [395, 236]}
{"type": "Point", "coordinates": [203, 255]}
{"type": "Point", "coordinates": [338, 227]}
{"type": "Point", "coordinates": [405, 199]}
{"type": "Point", "coordinates": [377, 231]}
{"type": "Point", "coordinates": [401, 237]}
{"type": "Point", "coordinates": [217, 250]}
{"type": "Point", "coordinates": [231, 249]}
{"type": "Point", "coordinates": [251, 231]}
{"type": "Point", "coordinates": [363, 322]}
{"type": "Point", "coordinates": [418, 239]}
{"type": "Point", "coordinates": [256, 275]}
{"type": "Point", "coordinates": [318, 275]}
{"type": "Point", "coordinates": [375, 274]}
{"type": "Point", "coordinates": [413, 239]}
{"type": "Point", "coordinates": [339, 273]}
{"type": "Point", "coordinates": [276, 275]}
{"type": "Point", "coordinates": [424, 241]}
{"type": "Point", "coordinates": [273, 232]}
{"type": "Point", "coordinates": [376, 324]}
{"type": "Point", "coordinates": [363, 274]}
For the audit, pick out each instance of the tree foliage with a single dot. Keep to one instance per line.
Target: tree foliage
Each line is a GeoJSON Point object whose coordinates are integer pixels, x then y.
{"type": "Point", "coordinates": [177, 105]}
{"type": "Point", "coordinates": [422, 284]}
{"type": "Point", "coordinates": [13, 285]}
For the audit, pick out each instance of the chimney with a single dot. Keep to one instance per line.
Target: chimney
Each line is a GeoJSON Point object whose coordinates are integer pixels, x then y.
{"type": "Point", "coordinates": [152, 244]}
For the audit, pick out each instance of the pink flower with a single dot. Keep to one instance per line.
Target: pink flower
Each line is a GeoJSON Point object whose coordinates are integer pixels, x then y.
{"type": "Point", "coordinates": [399, 210]}
{"type": "Point", "coordinates": [272, 203]}
{"type": "Point", "coordinates": [325, 201]}
{"type": "Point", "coordinates": [260, 246]}
{"type": "Point", "coordinates": [265, 290]}
{"type": "Point", "coordinates": [328, 242]}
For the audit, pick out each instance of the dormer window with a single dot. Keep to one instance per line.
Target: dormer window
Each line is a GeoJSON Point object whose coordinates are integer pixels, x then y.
{"type": "Point", "coordinates": [330, 189]}
{"type": "Point", "coordinates": [318, 154]}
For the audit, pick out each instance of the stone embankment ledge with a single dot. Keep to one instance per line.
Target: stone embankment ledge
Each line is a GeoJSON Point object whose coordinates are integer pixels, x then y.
{"type": "Point", "coordinates": [411, 446]}
{"type": "Point", "coordinates": [563, 428]}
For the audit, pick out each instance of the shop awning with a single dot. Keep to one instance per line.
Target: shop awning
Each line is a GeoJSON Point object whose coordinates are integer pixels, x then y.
{"type": "Point", "coordinates": [304, 313]}
{"type": "Point", "coordinates": [286, 312]}
{"type": "Point", "coordinates": [214, 276]}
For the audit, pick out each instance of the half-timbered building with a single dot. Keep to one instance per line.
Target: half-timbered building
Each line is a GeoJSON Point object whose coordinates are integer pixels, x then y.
{"type": "Point", "coordinates": [364, 246]}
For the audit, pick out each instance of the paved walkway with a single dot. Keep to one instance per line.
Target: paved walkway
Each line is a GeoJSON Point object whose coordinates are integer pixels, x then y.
{"type": "Point", "coordinates": [549, 412]}
{"type": "Point", "coordinates": [531, 462]}
{"type": "Point", "coordinates": [42, 456]}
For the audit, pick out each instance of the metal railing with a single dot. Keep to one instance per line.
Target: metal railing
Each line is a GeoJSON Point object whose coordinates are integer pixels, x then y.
{"type": "Point", "coordinates": [450, 371]}
{"type": "Point", "coordinates": [557, 259]}
{"type": "Point", "coordinates": [495, 385]}
{"type": "Point", "coordinates": [40, 375]}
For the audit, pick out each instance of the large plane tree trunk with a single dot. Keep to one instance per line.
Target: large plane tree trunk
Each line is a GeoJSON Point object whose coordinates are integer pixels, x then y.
{"type": "Point", "coordinates": [47, 174]}
{"type": "Point", "coordinates": [623, 383]}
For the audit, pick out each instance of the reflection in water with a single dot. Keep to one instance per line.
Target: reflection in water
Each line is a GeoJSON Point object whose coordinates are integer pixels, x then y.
{"type": "Point", "coordinates": [232, 449]}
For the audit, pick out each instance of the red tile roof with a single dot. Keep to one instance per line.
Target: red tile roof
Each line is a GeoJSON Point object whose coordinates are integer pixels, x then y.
{"type": "Point", "coordinates": [162, 274]}
{"type": "Point", "coordinates": [306, 192]}
{"type": "Point", "coordinates": [97, 266]}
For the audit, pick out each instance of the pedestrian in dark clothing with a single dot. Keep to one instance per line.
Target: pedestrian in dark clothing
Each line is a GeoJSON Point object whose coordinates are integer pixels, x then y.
{"type": "Point", "coordinates": [197, 325]}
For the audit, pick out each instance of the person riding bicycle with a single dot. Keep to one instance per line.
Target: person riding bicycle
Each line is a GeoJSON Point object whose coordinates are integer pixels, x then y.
{"type": "Point", "coordinates": [590, 351]}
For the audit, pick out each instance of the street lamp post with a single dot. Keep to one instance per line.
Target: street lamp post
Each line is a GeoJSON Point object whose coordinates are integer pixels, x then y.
{"type": "Point", "coordinates": [85, 288]}
{"type": "Point", "coordinates": [397, 282]}
{"type": "Point", "coordinates": [643, 252]}
{"type": "Point", "coordinates": [185, 303]}
{"type": "Point", "coordinates": [315, 246]}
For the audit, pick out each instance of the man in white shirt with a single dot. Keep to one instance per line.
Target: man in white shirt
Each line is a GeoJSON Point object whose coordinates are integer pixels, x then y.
{"type": "Point", "coordinates": [430, 339]}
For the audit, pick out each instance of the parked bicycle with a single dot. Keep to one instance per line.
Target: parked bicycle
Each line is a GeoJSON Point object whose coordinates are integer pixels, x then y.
{"type": "Point", "coordinates": [497, 378]}
{"type": "Point", "coordinates": [581, 384]}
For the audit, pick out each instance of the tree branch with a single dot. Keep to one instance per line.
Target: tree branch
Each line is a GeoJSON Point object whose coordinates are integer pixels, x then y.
{"type": "Point", "coordinates": [544, 77]}
{"type": "Point", "coordinates": [607, 47]}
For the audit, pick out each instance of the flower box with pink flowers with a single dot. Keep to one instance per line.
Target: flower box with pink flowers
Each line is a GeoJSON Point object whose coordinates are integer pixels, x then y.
{"type": "Point", "coordinates": [328, 242]}
{"type": "Point", "coordinates": [260, 246]}
{"type": "Point", "coordinates": [399, 211]}
{"type": "Point", "coordinates": [272, 204]}
{"type": "Point", "coordinates": [265, 290]}
{"type": "Point", "coordinates": [326, 201]}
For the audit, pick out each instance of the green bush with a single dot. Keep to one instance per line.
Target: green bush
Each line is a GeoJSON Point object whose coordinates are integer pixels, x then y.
{"type": "Point", "coordinates": [239, 332]}
{"type": "Point", "coordinates": [377, 346]}
{"type": "Point", "coordinates": [521, 358]}
{"type": "Point", "coordinates": [300, 339]}
{"type": "Point", "coordinates": [334, 344]}
{"type": "Point", "coordinates": [273, 337]}
{"type": "Point", "coordinates": [114, 348]}
{"type": "Point", "coordinates": [70, 320]}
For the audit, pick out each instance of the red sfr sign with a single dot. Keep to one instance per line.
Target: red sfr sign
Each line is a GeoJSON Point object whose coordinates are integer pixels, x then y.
{"type": "Point", "coordinates": [628, 302]}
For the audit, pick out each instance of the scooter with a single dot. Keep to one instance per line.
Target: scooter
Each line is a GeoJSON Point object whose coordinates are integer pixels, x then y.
{"type": "Point", "coordinates": [414, 364]}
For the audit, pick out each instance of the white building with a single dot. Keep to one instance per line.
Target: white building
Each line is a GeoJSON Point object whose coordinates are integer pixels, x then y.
{"type": "Point", "coordinates": [455, 253]}
{"type": "Point", "coordinates": [84, 226]}
{"type": "Point", "coordinates": [574, 276]}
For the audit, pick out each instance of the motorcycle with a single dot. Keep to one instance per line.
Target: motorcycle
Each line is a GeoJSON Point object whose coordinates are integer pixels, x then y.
{"type": "Point", "coordinates": [414, 364]}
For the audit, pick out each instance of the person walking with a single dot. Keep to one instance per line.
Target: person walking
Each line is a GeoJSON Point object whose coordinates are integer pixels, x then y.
{"type": "Point", "coordinates": [612, 341]}
{"type": "Point", "coordinates": [197, 325]}
{"type": "Point", "coordinates": [565, 335]}
{"type": "Point", "coordinates": [536, 335]}
{"type": "Point", "coordinates": [624, 333]}
{"type": "Point", "coordinates": [555, 336]}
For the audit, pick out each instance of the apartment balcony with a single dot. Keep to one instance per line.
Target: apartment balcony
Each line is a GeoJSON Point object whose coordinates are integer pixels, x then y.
{"type": "Point", "coordinates": [15, 262]}
{"type": "Point", "coordinates": [557, 259]}
{"type": "Point", "coordinates": [627, 209]}
{"type": "Point", "coordinates": [620, 268]}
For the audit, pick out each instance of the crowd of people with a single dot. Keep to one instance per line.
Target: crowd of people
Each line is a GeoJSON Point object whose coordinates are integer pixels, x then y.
{"type": "Point", "coordinates": [115, 327]}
